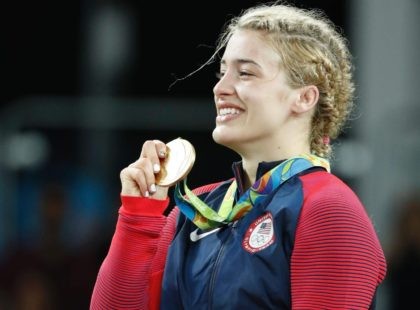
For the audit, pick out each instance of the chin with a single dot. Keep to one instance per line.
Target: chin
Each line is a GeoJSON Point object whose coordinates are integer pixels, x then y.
{"type": "Point", "coordinates": [224, 139]}
{"type": "Point", "coordinates": [217, 136]}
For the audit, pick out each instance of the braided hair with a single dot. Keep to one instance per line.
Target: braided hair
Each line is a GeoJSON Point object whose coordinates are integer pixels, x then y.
{"type": "Point", "coordinates": [313, 52]}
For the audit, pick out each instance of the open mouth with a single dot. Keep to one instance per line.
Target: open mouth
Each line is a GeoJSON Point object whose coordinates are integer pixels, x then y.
{"type": "Point", "coordinates": [227, 114]}
{"type": "Point", "coordinates": [229, 111]}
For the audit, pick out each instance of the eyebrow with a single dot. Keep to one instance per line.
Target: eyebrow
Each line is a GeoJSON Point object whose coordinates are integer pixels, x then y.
{"type": "Point", "coordinates": [242, 61]}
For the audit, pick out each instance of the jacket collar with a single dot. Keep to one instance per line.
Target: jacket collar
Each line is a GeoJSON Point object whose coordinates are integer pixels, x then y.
{"type": "Point", "coordinates": [238, 172]}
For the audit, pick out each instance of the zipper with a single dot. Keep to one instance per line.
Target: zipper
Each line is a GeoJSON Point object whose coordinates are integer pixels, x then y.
{"type": "Point", "coordinates": [217, 264]}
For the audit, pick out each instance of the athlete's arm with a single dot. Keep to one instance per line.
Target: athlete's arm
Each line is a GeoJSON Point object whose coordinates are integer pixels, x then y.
{"type": "Point", "coordinates": [130, 275]}
{"type": "Point", "coordinates": [337, 261]}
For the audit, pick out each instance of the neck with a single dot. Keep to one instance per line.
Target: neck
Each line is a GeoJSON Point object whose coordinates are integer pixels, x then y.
{"type": "Point", "coordinates": [289, 142]}
{"type": "Point", "coordinates": [250, 172]}
{"type": "Point", "coordinates": [250, 160]}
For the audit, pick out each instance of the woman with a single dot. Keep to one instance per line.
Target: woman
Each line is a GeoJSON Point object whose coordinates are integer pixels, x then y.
{"type": "Point", "coordinates": [286, 234]}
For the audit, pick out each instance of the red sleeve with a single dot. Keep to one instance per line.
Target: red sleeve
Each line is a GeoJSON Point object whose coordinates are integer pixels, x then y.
{"type": "Point", "coordinates": [337, 261]}
{"type": "Point", "coordinates": [131, 273]}
{"type": "Point", "coordinates": [130, 277]}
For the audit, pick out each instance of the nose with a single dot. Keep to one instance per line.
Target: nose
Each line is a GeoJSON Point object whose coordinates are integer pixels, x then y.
{"type": "Point", "coordinates": [224, 86]}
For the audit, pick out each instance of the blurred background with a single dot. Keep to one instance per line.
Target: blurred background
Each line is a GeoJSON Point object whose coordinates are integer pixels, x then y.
{"type": "Point", "coordinates": [86, 82]}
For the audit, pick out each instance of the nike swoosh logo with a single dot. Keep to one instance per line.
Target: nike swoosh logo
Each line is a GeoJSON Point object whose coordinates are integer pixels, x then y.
{"type": "Point", "coordinates": [195, 237]}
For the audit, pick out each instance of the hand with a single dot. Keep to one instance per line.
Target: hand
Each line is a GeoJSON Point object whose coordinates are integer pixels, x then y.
{"type": "Point", "coordinates": [138, 179]}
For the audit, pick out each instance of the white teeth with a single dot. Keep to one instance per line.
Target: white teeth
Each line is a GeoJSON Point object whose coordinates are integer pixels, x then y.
{"type": "Point", "coordinates": [226, 111]}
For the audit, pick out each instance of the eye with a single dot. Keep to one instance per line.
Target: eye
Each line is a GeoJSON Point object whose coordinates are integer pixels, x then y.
{"type": "Point", "coordinates": [220, 74]}
{"type": "Point", "coordinates": [245, 73]}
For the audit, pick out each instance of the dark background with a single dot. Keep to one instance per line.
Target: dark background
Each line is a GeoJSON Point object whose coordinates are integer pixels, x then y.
{"type": "Point", "coordinates": [44, 44]}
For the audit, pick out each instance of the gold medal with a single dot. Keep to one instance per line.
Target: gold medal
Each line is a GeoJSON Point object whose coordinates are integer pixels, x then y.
{"type": "Point", "coordinates": [180, 158]}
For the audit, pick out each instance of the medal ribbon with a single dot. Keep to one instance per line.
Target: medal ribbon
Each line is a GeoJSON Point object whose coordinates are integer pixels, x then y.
{"type": "Point", "coordinates": [205, 217]}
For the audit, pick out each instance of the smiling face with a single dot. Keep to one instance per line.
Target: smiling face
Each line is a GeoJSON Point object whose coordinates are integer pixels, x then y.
{"type": "Point", "coordinates": [253, 100]}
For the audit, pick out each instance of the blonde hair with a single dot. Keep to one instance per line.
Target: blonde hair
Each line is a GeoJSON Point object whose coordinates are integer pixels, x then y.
{"type": "Point", "coordinates": [313, 52]}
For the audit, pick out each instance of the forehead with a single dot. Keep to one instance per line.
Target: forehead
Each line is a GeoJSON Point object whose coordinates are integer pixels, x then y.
{"type": "Point", "coordinates": [250, 44]}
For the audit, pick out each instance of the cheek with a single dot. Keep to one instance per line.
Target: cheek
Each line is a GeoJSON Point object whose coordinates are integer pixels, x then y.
{"type": "Point", "coordinates": [270, 99]}
{"type": "Point", "coordinates": [253, 94]}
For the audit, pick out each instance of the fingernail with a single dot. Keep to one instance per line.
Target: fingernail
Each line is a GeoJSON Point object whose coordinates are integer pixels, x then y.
{"type": "Point", "coordinates": [146, 194]}
{"type": "Point", "coordinates": [156, 168]}
{"type": "Point", "coordinates": [162, 153]}
{"type": "Point", "coordinates": [153, 188]}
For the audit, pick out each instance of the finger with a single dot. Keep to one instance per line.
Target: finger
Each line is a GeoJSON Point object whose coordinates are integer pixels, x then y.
{"type": "Point", "coordinates": [134, 182]}
{"type": "Point", "coordinates": [129, 184]}
{"type": "Point", "coordinates": [154, 151]}
{"type": "Point", "coordinates": [147, 174]}
{"type": "Point", "coordinates": [161, 148]}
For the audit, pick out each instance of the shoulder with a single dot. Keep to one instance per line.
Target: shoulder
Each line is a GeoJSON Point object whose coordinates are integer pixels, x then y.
{"type": "Point", "coordinates": [327, 197]}
{"type": "Point", "coordinates": [321, 186]}
{"type": "Point", "coordinates": [329, 202]}
{"type": "Point", "coordinates": [333, 220]}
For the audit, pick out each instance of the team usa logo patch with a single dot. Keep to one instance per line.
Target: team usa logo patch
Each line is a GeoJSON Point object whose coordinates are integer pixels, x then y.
{"type": "Point", "coordinates": [260, 234]}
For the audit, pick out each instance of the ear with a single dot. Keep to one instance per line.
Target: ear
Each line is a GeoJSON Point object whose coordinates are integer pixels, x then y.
{"type": "Point", "coordinates": [307, 98]}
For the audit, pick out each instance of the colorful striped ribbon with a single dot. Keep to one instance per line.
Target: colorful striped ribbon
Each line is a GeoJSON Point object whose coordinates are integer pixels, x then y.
{"type": "Point", "coordinates": [205, 217]}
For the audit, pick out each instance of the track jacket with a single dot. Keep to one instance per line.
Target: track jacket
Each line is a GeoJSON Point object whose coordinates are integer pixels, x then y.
{"type": "Point", "coordinates": [308, 245]}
